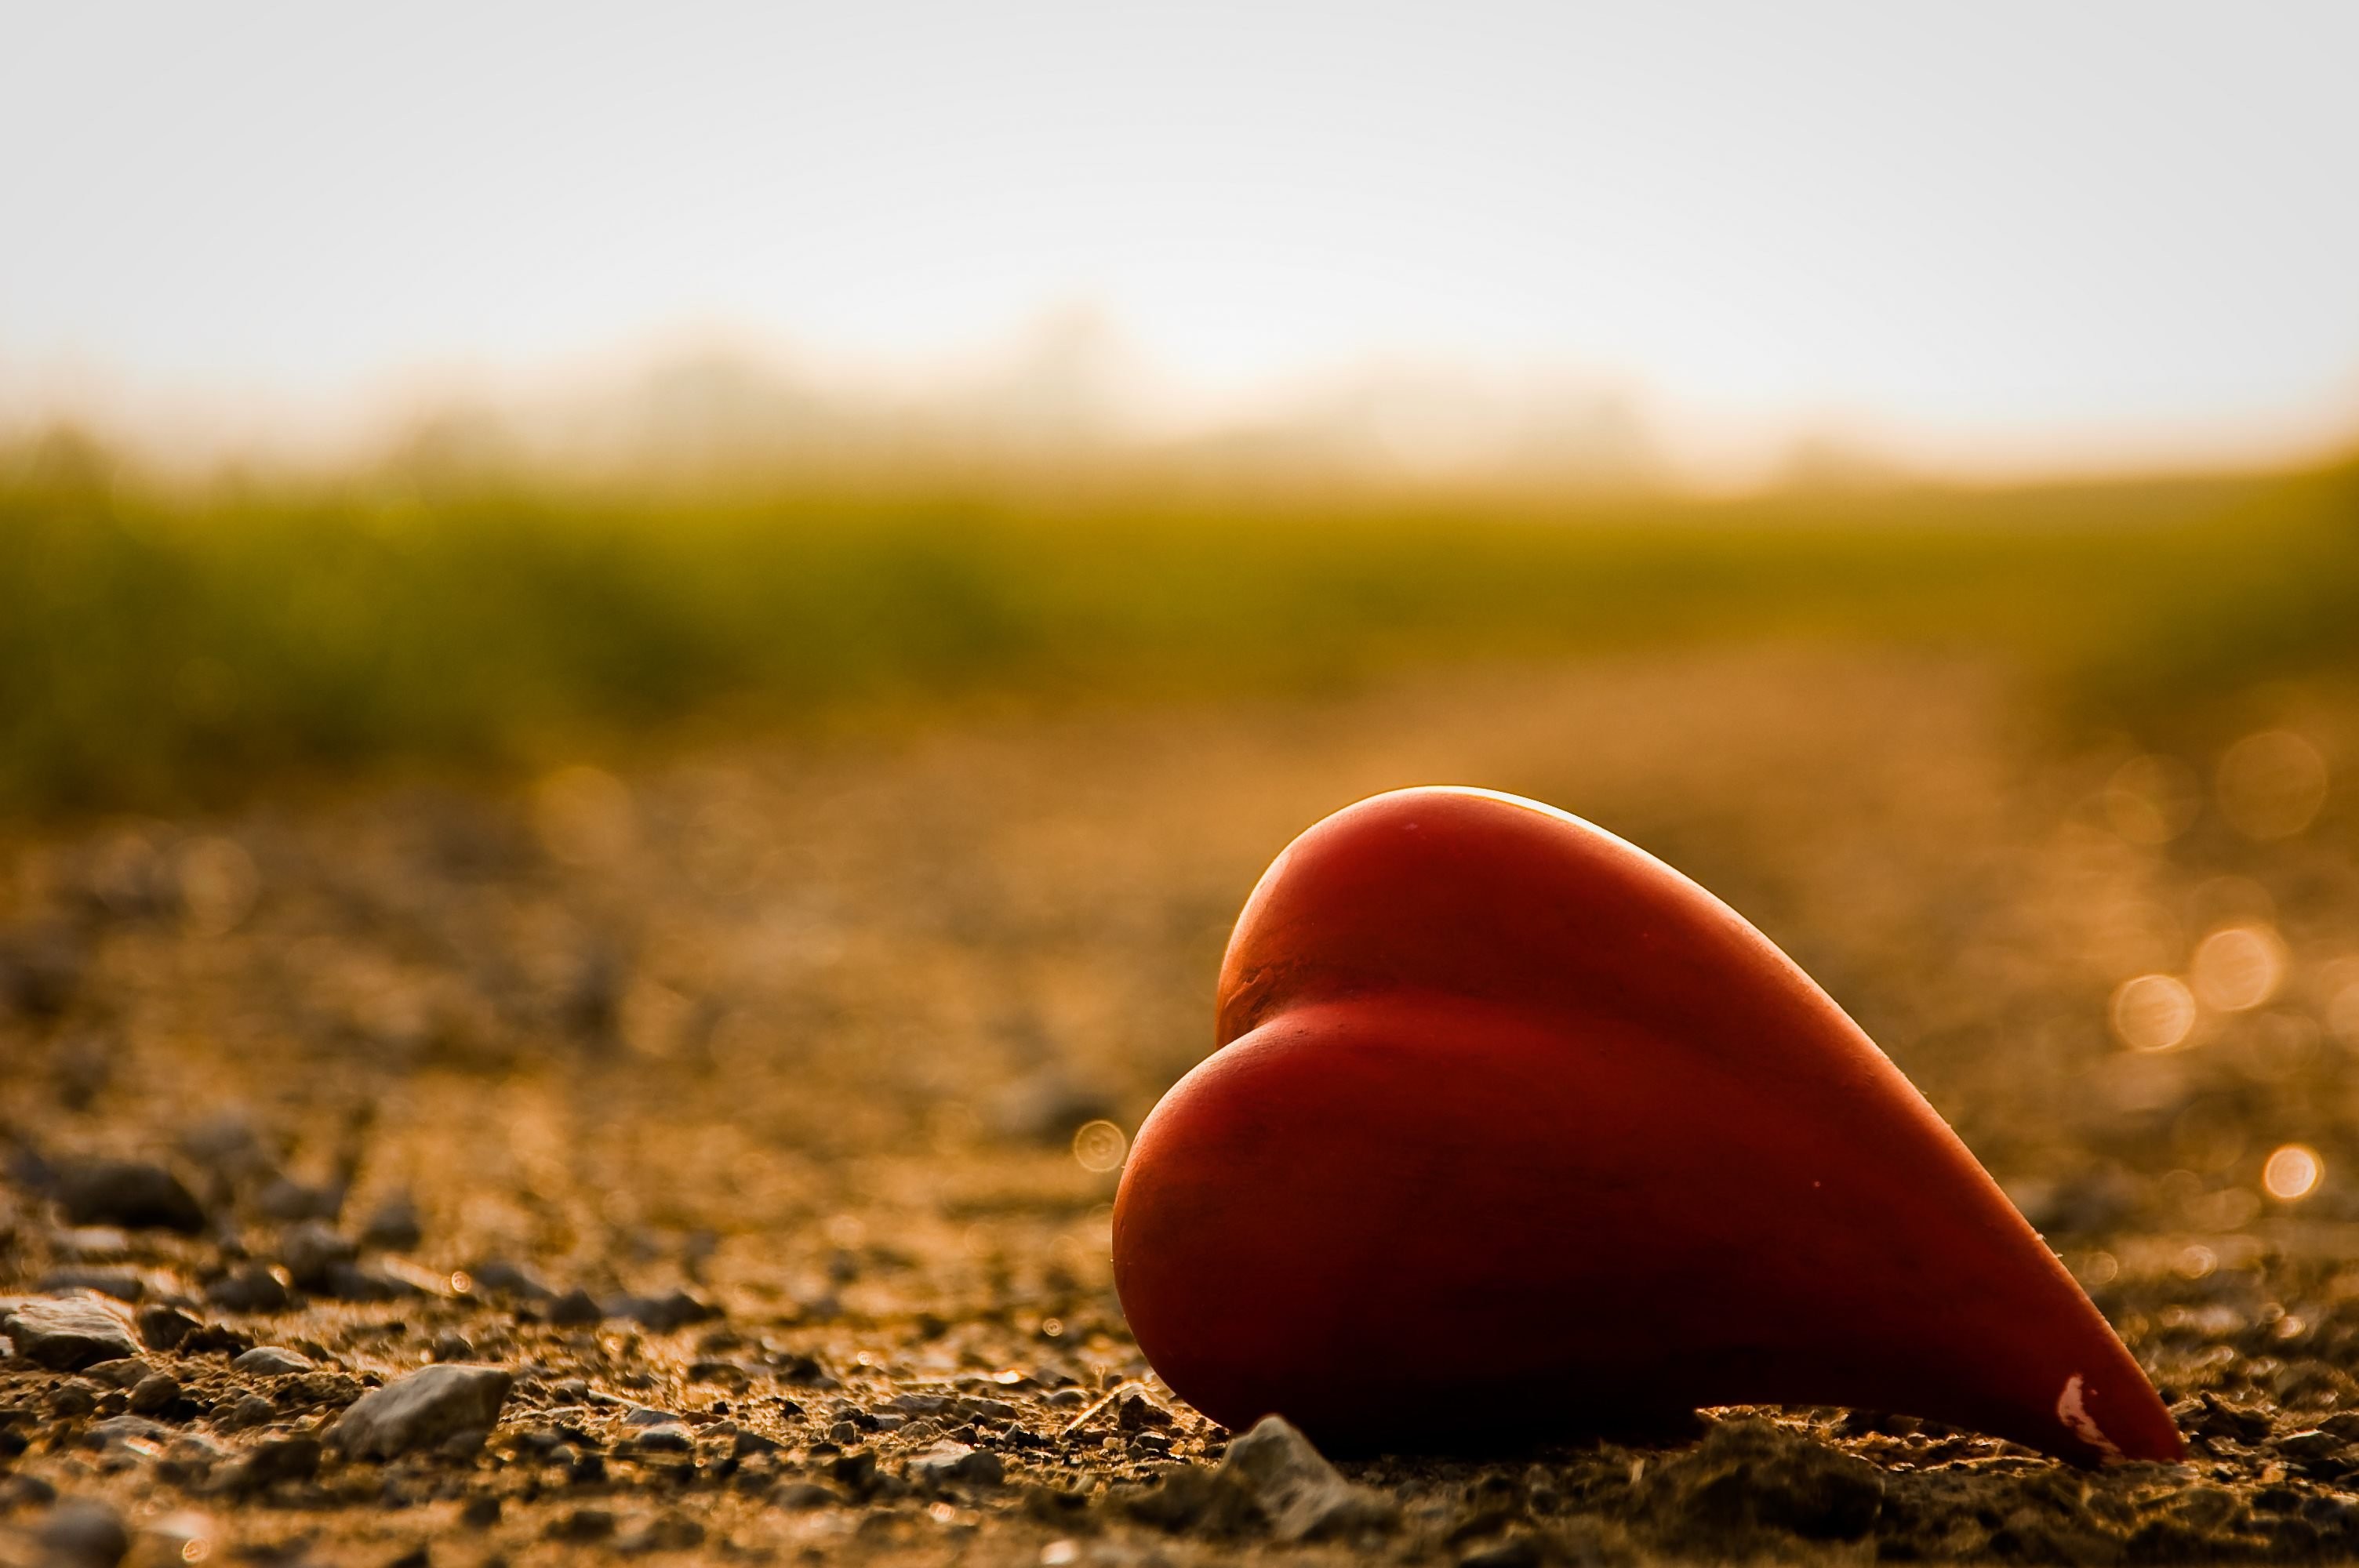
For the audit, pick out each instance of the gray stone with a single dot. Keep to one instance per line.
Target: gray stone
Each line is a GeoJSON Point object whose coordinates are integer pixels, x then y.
{"type": "Point", "coordinates": [82, 1533]}
{"type": "Point", "coordinates": [252, 1410]}
{"type": "Point", "coordinates": [123, 1372]}
{"type": "Point", "coordinates": [154, 1393]}
{"type": "Point", "coordinates": [286, 1200]}
{"type": "Point", "coordinates": [367, 1282]}
{"type": "Point", "coordinates": [575, 1309]}
{"type": "Point", "coordinates": [250, 1289]}
{"type": "Point", "coordinates": [1302, 1496]}
{"type": "Point", "coordinates": [121, 1284]}
{"type": "Point", "coordinates": [422, 1410]}
{"type": "Point", "coordinates": [270, 1361]}
{"type": "Point", "coordinates": [66, 1333]}
{"type": "Point", "coordinates": [129, 1192]}
{"type": "Point", "coordinates": [583, 1524]}
{"type": "Point", "coordinates": [671, 1532]}
{"type": "Point", "coordinates": [19, 1490]}
{"type": "Point", "coordinates": [947, 1462]}
{"type": "Point", "coordinates": [664, 1314]}
{"type": "Point", "coordinates": [394, 1226]}
{"type": "Point", "coordinates": [164, 1328]}
{"type": "Point", "coordinates": [117, 1429]}
{"type": "Point", "coordinates": [665, 1437]}
{"type": "Point", "coordinates": [643, 1415]}
{"type": "Point", "coordinates": [503, 1278]}
{"type": "Point", "coordinates": [227, 1145]}
{"type": "Point", "coordinates": [1190, 1498]}
{"type": "Point", "coordinates": [271, 1460]}
{"type": "Point", "coordinates": [312, 1249]}
{"type": "Point", "coordinates": [799, 1495]}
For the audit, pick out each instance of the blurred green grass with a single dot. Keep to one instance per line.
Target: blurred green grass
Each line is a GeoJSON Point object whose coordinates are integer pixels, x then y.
{"type": "Point", "coordinates": [165, 645]}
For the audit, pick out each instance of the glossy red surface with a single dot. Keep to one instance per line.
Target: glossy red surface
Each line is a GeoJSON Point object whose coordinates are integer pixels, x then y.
{"type": "Point", "coordinates": [1514, 1130]}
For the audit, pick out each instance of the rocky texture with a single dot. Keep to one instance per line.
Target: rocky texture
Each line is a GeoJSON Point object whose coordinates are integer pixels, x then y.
{"type": "Point", "coordinates": [1751, 1478]}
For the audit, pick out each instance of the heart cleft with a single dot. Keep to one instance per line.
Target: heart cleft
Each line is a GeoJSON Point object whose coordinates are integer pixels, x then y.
{"type": "Point", "coordinates": [1513, 1130]}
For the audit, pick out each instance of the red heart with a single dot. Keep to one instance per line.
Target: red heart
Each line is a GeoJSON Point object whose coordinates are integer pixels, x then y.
{"type": "Point", "coordinates": [1514, 1130]}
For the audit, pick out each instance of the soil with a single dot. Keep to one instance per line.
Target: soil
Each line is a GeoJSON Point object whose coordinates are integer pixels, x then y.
{"type": "Point", "coordinates": [741, 1106]}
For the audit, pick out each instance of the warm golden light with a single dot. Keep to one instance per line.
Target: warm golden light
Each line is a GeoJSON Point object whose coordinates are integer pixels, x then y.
{"type": "Point", "coordinates": [2153, 1012]}
{"type": "Point", "coordinates": [2292, 1173]}
{"type": "Point", "coordinates": [2238, 969]}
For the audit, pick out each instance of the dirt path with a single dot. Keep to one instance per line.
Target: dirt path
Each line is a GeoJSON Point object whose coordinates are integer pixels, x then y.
{"type": "Point", "coordinates": [742, 1089]}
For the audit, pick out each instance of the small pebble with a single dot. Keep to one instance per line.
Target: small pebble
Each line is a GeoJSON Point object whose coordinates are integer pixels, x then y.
{"type": "Point", "coordinates": [273, 1460]}
{"type": "Point", "coordinates": [249, 1411]}
{"type": "Point", "coordinates": [82, 1533]}
{"type": "Point", "coordinates": [164, 1328]}
{"type": "Point", "coordinates": [124, 1372]}
{"type": "Point", "coordinates": [120, 1284]}
{"type": "Point", "coordinates": [286, 1200]}
{"type": "Point", "coordinates": [803, 1495]}
{"type": "Point", "coordinates": [252, 1289]}
{"type": "Point", "coordinates": [947, 1462]}
{"type": "Point", "coordinates": [583, 1524]}
{"type": "Point", "coordinates": [131, 1194]}
{"type": "Point", "coordinates": [312, 1249]}
{"type": "Point", "coordinates": [154, 1393]}
{"type": "Point", "coordinates": [501, 1277]}
{"type": "Point", "coordinates": [270, 1361]}
{"type": "Point", "coordinates": [575, 1309]}
{"type": "Point", "coordinates": [393, 1225]}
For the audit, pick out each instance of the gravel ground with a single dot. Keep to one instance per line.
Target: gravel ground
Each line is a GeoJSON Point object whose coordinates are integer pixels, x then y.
{"type": "Point", "coordinates": [714, 1156]}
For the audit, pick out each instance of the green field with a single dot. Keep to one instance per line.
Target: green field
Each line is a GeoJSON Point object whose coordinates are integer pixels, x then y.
{"type": "Point", "coordinates": [164, 644]}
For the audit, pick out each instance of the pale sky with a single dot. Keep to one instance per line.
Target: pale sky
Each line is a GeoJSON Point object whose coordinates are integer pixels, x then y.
{"type": "Point", "coordinates": [1980, 232]}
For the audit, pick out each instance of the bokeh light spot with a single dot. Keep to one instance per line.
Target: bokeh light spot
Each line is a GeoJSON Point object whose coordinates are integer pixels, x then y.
{"type": "Point", "coordinates": [2292, 1173]}
{"type": "Point", "coordinates": [1100, 1146]}
{"type": "Point", "coordinates": [2153, 1012]}
{"type": "Point", "coordinates": [2152, 800]}
{"type": "Point", "coordinates": [2272, 784]}
{"type": "Point", "coordinates": [2238, 969]}
{"type": "Point", "coordinates": [584, 815]}
{"type": "Point", "coordinates": [2342, 1012]}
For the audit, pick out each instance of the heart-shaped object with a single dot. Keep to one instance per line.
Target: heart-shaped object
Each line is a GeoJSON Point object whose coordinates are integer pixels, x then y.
{"type": "Point", "coordinates": [1515, 1130]}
